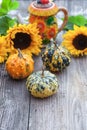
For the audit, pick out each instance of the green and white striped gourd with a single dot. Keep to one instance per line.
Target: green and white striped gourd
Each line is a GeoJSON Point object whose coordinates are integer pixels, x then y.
{"type": "Point", "coordinates": [42, 84]}
{"type": "Point", "coordinates": [55, 58]}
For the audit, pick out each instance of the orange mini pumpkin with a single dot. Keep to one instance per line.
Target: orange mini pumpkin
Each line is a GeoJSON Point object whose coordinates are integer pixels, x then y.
{"type": "Point", "coordinates": [19, 66]}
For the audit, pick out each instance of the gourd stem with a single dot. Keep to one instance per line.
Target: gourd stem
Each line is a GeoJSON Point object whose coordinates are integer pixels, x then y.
{"type": "Point", "coordinates": [54, 42]}
{"type": "Point", "coordinates": [43, 71]}
{"type": "Point", "coordinates": [19, 53]}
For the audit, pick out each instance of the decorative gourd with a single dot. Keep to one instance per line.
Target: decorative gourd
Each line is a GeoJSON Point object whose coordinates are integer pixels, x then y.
{"type": "Point", "coordinates": [55, 58]}
{"type": "Point", "coordinates": [42, 84]}
{"type": "Point", "coordinates": [19, 65]}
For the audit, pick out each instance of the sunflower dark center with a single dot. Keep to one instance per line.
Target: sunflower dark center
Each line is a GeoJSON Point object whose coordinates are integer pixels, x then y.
{"type": "Point", "coordinates": [80, 42]}
{"type": "Point", "coordinates": [22, 40]}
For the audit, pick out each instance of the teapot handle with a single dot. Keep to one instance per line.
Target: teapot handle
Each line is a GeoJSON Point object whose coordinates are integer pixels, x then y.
{"type": "Point", "coordinates": [65, 18]}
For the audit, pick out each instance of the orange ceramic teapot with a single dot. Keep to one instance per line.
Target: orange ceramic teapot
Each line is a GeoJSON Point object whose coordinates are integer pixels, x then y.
{"type": "Point", "coordinates": [43, 12]}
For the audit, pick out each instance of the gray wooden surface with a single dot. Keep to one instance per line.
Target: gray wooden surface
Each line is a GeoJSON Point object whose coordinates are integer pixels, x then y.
{"type": "Point", "coordinates": [66, 110]}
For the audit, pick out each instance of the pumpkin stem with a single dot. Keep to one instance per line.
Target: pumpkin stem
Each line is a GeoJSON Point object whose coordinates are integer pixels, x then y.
{"type": "Point", "coordinates": [43, 71]}
{"type": "Point", "coordinates": [19, 53]}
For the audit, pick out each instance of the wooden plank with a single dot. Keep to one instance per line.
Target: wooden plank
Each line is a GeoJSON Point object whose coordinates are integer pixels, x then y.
{"type": "Point", "coordinates": [77, 95]}
{"type": "Point", "coordinates": [67, 109]}
{"type": "Point", "coordinates": [14, 103]}
{"type": "Point", "coordinates": [14, 97]}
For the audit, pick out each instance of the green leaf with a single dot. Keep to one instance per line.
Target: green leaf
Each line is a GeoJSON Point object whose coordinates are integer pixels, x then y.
{"type": "Point", "coordinates": [78, 20]}
{"type": "Point", "coordinates": [5, 4]}
{"type": "Point", "coordinates": [69, 26]}
{"type": "Point", "coordinates": [8, 5]}
{"type": "Point", "coordinates": [13, 5]}
{"type": "Point", "coordinates": [3, 12]}
{"type": "Point", "coordinates": [5, 23]}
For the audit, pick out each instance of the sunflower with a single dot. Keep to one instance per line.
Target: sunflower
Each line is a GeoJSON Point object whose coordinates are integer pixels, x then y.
{"type": "Point", "coordinates": [76, 41]}
{"type": "Point", "coordinates": [25, 37]}
{"type": "Point", "coordinates": [4, 50]}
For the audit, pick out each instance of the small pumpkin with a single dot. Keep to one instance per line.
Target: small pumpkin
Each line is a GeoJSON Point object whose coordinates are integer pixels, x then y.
{"type": "Point", "coordinates": [55, 58]}
{"type": "Point", "coordinates": [19, 65]}
{"type": "Point", "coordinates": [42, 84]}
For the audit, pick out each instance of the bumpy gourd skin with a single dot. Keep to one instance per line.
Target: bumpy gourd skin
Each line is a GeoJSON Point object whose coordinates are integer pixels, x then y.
{"type": "Point", "coordinates": [19, 68]}
{"type": "Point", "coordinates": [42, 86]}
{"type": "Point", "coordinates": [55, 58]}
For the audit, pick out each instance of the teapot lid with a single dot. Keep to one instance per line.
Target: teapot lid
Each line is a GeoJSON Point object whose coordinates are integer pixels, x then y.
{"type": "Point", "coordinates": [40, 9]}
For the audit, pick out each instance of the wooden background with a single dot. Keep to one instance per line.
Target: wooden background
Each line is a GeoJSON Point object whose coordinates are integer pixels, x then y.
{"type": "Point", "coordinates": [66, 110]}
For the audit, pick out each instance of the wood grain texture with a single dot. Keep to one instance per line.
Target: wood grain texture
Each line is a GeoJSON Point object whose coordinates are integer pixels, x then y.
{"type": "Point", "coordinates": [66, 110]}
{"type": "Point", "coordinates": [14, 103]}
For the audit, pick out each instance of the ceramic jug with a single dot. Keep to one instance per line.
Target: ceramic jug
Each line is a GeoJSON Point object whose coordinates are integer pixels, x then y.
{"type": "Point", "coordinates": [43, 12]}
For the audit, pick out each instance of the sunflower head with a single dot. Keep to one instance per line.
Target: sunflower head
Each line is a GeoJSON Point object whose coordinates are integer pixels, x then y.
{"type": "Point", "coordinates": [4, 49]}
{"type": "Point", "coordinates": [24, 37]}
{"type": "Point", "coordinates": [76, 41]}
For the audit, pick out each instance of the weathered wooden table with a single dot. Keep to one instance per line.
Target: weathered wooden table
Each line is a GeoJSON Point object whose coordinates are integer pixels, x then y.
{"type": "Point", "coordinates": [66, 110]}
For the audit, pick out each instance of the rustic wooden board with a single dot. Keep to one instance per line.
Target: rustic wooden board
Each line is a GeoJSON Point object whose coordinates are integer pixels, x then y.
{"type": "Point", "coordinates": [14, 103]}
{"type": "Point", "coordinates": [66, 110]}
